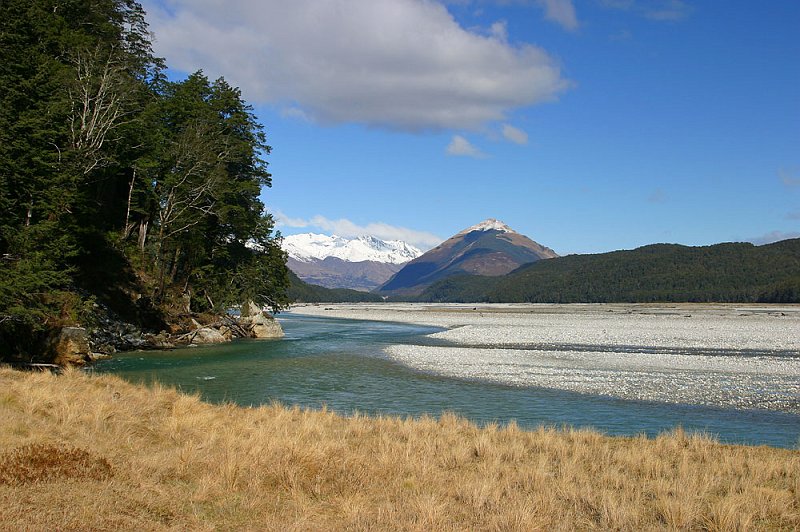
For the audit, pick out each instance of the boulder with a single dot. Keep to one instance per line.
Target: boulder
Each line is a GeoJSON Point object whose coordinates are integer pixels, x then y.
{"type": "Point", "coordinates": [70, 347]}
{"type": "Point", "coordinates": [161, 340]}
{"type": "Point", "coordinates": [264, 327]}
{"type": "Point", "coordinates": [260, 324]}
{"type": "Point", "coordinates": [207, 335]}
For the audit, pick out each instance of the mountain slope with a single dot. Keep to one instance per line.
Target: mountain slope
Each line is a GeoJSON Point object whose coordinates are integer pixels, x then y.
{"type": "Point", "coordinates": [362, 263]}
{"type": "Point", "coordinates": [489, 248]}
{"type": "Point", "coordinates": [332, 272]}
{"type": "Point", "coordinates": [302, 292]}
{"type": "Point", "coordinates": [731, 272]}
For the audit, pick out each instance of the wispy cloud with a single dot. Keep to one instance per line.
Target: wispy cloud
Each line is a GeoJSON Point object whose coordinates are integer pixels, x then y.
{"type": "Point", "coordinates": [346, 228]}
{"type": "Point", "coordinates": [790, 176]}
{"type": "Point", "coordinates": [561, 12]}
{"type": "Point", "coordinates": [398, 64]}
{"type": "Point", "coordinates": [661, 10]}
{"type": "Point", "coordinates": [669, 10]}
{"type": "Point", "coordinates": [515, 135]}
{"type": "Point", "coordinates": [461, 147]}
{"type": "Point", "coordinates": [794, 215]}
{"type": "Point", "coordinates": [774, 236]}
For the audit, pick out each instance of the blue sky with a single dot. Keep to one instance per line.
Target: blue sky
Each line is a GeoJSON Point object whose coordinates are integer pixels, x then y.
{"type": "Point", "coordinates": [587, 125]}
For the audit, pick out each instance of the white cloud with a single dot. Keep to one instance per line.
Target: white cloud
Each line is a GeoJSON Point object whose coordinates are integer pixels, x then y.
{"type": "Point", "coordinates": [515, 135]}
{"type": "Point", "coordinates": [774, 236]}
{"type": "Point", "coordinates": [500, 30]}
{"type": "Point", "coordinates": [346, 228]}
{"type": "Point", "coordinates": [398, 64]}
{"type": "Point", "coordinates": [461, 147]}
{"type": "Point", "coordinates": [561, 12]}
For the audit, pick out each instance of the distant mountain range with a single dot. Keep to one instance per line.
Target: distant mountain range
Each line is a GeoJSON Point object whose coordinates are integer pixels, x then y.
{"type": "Point", "coordinates": [490, 248]}
{"type": "Point", "coordinates": [362, 263]}
{"type": "Point", "coordinates": [490, 262]}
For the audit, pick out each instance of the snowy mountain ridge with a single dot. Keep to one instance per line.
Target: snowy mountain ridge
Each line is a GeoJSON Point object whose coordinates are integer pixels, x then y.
{"type": "Point", "coordinates": [311, 247]}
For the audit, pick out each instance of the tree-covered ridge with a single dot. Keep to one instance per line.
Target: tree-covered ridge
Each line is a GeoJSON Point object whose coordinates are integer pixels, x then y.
{"type": "Point", "coordinates": [117, 185]}
{"type": "Point", "coordinates": [302, 292]}
{"type": "Point", "coordinates": [734, 272]}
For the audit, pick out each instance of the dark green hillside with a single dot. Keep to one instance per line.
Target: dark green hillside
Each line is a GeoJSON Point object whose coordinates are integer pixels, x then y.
{"type": "Point", "coordinates": [733, 272]}
{"type": "Point", "coordinates": [302, 292]}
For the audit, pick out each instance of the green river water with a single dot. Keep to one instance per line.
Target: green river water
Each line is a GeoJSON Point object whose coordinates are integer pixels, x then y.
{"type": "Point", "coordinates": [340, 364]}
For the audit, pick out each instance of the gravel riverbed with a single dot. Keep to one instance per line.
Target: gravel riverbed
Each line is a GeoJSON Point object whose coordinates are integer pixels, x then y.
{"type": "Point", "coordinates": [733, 356]}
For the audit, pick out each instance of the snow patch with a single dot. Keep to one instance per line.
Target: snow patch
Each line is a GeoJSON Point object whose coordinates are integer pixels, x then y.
{"type": "Point", "coordinates": [491, 224]}
{"type": "Point", "coordinates": [308, 247]}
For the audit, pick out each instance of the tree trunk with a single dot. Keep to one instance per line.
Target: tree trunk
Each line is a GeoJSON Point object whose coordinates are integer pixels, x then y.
{"type": "Point", "coordinates": [175, 260]}
{"type": "Point", "coordinates": [126, 232]}
{"type": "Point", "coordinates": [142, 234]}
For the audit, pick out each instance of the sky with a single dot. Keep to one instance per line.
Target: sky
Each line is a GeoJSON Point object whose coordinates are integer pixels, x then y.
{"type": "Point", "coordinates": [587, 125]}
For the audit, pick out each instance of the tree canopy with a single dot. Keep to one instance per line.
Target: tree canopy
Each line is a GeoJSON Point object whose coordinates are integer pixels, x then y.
{"type": "Point", "coordinates": [117, 185]}
{"type": "Point", "coordinates": [733, 272]}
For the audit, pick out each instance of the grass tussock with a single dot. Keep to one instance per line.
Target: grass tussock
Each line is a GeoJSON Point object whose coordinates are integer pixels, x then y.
{"type": "Point", "coordinates": [179, 463]}
{"type": "Point", "coordinates": [46, 462]}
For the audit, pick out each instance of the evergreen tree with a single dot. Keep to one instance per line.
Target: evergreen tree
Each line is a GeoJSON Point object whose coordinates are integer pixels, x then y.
{"type": "Point", "coordinates": [118, 185]}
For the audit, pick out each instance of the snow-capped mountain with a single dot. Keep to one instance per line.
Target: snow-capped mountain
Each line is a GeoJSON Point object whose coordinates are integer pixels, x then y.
{"type": "Point", "coordinates": [491, 224]}
{"type": "Point", "coordinates": [490, 248]}
{"type": "Point", "coordinates": [362, 263]}
{"type": "Point", "coordinates": [310, 247]}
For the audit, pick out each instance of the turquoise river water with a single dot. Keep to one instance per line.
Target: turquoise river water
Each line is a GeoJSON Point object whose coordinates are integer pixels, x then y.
{"type": "Point", "coordinates": [340, 363]}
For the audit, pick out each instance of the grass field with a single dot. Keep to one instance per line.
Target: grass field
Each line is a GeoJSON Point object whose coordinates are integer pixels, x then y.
{"type": "Point", "coordinates": [82, 452]}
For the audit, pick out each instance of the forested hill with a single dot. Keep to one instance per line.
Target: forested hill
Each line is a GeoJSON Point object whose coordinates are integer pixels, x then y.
{"type": "Point", "coordinates": [302, 292]}
{"type": "Point", "coordinates": [733, 272]}
{"type": "Point", "coordinates": [119, 189]}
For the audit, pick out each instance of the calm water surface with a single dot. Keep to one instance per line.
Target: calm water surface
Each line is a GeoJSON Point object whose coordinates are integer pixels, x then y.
{"type": "Point", "coordinates": [341, 364]}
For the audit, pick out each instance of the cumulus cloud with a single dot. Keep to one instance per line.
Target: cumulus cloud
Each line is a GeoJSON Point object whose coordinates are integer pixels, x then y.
{"type": "Point", "coordinates": [515, 135]}
{"type": "Point", "coordinates": [774, 236]}
{"type": "Point", "coordinates": [397, 64]}
{"type": "Point", "coordinates": [461, 147]}
{"type": "Point", "coordinates": [346, 228]}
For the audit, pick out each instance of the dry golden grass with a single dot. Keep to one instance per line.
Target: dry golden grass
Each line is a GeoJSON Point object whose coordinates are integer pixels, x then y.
{"type": "Point", "coordinates": [103, 454]}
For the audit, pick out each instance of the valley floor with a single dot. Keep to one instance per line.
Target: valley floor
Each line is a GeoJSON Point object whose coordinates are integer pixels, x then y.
{"type": "Point", "coordinates": [728, 356]}
{"type": "Point", "coordinates": [81, 452]}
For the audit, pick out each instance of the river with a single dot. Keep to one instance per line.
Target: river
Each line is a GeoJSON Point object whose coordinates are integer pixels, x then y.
{"type": "Point", "coordinates": [343, 365]}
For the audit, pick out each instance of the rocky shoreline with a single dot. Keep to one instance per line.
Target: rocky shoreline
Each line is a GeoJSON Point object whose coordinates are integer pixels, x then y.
{"type": "Point", "coordinates": [81, 346]}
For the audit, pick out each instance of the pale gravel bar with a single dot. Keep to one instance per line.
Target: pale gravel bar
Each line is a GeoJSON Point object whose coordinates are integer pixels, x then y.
{"type": "Point", "coordinates": [740, 356]}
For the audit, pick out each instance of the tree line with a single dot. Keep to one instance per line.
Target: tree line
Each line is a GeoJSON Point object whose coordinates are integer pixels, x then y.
{"type": "Point", "coordinates": [119, 186]}
{"type": "Point", "coordinates": [733, 272]}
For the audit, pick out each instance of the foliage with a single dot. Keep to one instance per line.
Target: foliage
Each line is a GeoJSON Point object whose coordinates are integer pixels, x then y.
{"type": "Point", "coordinates": [118, 184]}
{"type": "Point", "coordinates": [735, 272]}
